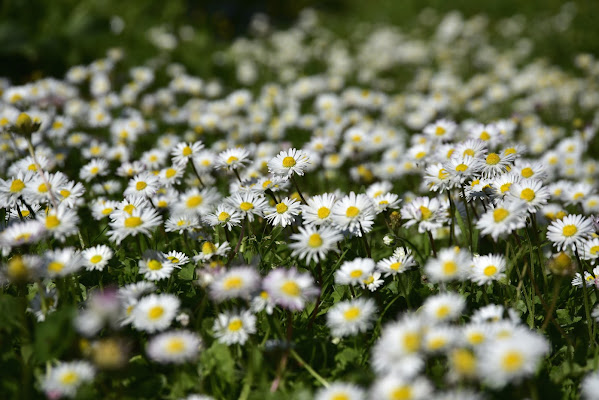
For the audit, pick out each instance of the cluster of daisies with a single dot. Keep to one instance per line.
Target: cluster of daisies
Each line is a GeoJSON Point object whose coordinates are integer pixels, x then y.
{"type": "Point", "coordinates": [198, 214]}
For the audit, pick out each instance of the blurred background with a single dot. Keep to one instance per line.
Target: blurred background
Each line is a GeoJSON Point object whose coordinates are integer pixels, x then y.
{"type": "Point", "coordinates": [43, 38]}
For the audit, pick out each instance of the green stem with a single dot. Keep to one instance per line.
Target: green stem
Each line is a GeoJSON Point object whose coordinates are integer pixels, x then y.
{"type": "Point", "coordinates": [585, 295]}
{"type": "Point", "coordinates": [309, 368]}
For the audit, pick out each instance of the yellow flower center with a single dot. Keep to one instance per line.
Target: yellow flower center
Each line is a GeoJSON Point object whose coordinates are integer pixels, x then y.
{"type": "Point", "coordinates": [426, 213]}
{"type": "Point", "coordinates": [493, 159]}
{"type": "Point", "coordinates": [43, 188]}
{"type": "Point", "coordinates": [352, 313]}
{"type": "Point", "coordinates": [461, 167]}
{"type": "Point", "coordinates": [450, 268]}
{"type": "Point", "coordinates": [500, 214]}
{"type": "Point", "coordinates": [170, 173]}
{"type": "Point", "coordinates": [505, 187]}
{"type": "Point", "coordinates": [509, 151]}
{"type": "Point", "coordinates": [476, 338]}
{"type": "Point", "coordinates": [187, 151]}
{"type": "Point", "coordinates": [402, 393]}
{"type": "Point", "coordinates": [569, 230]}
{"type": "Point", "coordinates": [443, 311]}
{"type": "Point", "coordinates": [490, 270]}
{"type": "Point", "coordinates": [69, 378]}
{"type": "Point", "coordinates": [25, 213]}
{"type": "Point", "coordinates": [282, 208]}
{"type": "Point", "coordinates": [290, 288]}
{"type": "Point", "coordinates": [440, 131]}
{"type": "Point", "coordinates": [107, 211]}
{"type": "Point", "coordinates": [232, 283]}
{"type": "Point", "coordinates": [208, 248]}
{"type": "Point", "coordinates": [288, 162]}
{"type": "Point", "coordinates": [512, 361]}
{"type": "Point", "coordinates": [17, 185]}
{"type": "Point", "coordinates": [175, 346]}
{"type": "Point", "coordinates": [95, 259]}
{"type": "Point", "coordinates": [235, 325]}
{"type": "Point", "coordinates": [133, 222]}
{"type": "Point", "coordinates": [443, 174]}
{"type": "Point", "coordinates": [340, 396]}
{"type": "Point", "coordinates": [55, 266]}
{"type": "Point", "coordinates": [356, 273]}
{"type": "Point", "coordinates": [469, 152]}
{"type": "Point", "coordinates": [463, 361]}
{"type": "Point", "coordinates": [245, 206]}
{"type": "Point", "coordinates": [52, 222]}
{"type": "Point", "coordinates": [315, 240]}
{"type": "Point", "coordinates": [437, 343]}
{"type": "Point", "coordinates": [232, 159]}
{"type": "Point", "coordinates": [223, 216]}
{"type": "Point", "coordinates": [578, 195]}
{"type": "Point", "coordinates": [485, 136]}
{"type": "Point", "coordinates": [194, 201]}
{"type": "Point", "coordinates": [65, 193]}
{"type": "Point", "coordinates": [352, 212]}
{"type": "Point", "coordinates": [527, 172]}
{"type": "Point", "coordinates": [527, 194]}
{"type": "Point", "coordinates": [154, 265]}
{"type": "Point", "coordinates": [323, 212]}
{"type": "Point", "coordinates": [140, 185]}
{"type": "Point", "coordinates": [155, 312]}
{"type": "Point", "coordinates": [395, 266]}
{"type": "Point", "coordinates": [411, 342]}
{"type": "Point", "coordinates": [594, 250]}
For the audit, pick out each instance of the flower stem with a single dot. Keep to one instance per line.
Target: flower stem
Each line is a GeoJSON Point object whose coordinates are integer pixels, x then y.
{"type": "Point", "coordinates": [299, 192]}
{"type": "Point", "coordinates": [585, 296]}
{"type": "Point", "coordinates": [309, 368]}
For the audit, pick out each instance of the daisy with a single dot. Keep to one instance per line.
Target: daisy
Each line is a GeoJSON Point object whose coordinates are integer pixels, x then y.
{"type": "Point", "coordinates": [224, 215]}
{"type": "Point", "coordinates": [355, 213]}
{"type": "Point", "coordinates": [471, 147]}
{"type": "Point", "coordinates": [462, 168]}
{"type": "Point", "coordinates": [487, 269]}
{"type": "Point", "coordinates": [398, 263]}
{"type": "Point", "coordinates": [44, 190]}
{"type": "Point", "coordinates": [391, 387]}
{"type": "Point", "coordinates": [590, 386]}
{"type": "Point", "coordinates": [60, 223]}
{"type": "Point", "coordinates": [97, 257]}
{"type": "Point", "coordinates": [93, 169]}
{"type": "Point", "coordinates": [505, 218]}
{"type": "Point", "coordinates": [248, 204]}
{"type": "Point", "coordinates": [183, 152]}
{"type": "Point", "coordinates": [171, 176]}
{"type": "Point", "coordinates": [437, 178]}
{"type": "Point", "coordinates": [529, 170]}
{"type": "Point", "coordinates": [174, 347]}
{"type": "Point", "coordinates": [340, 391]}
{"type": "Point", "coordinates": [313, 243]}
{"type": "Point", "coordinates": [493, 313]}
{"type": "Point", "coordinates": [442, 129]}
{"type": "Point", "coordinates": [570, 232]}
{"type": "Point", "coordinates": [348, 318]}
{"type": "Point", "coordinates": [373, 281]}
{"type": "Point", "coordinates": [463, 364]}
{"type": "Point", "coordinates": [155, 266]}
{"type": "Point", "coordinates": [439, 338]}
{"type": "Point", "coordinates": [155, 312]}
{"type": "Point", "coordinates": [71, 194]}
{"type": "Point", "coordinates": [502, 184]}
{"type": "Point", "coordinates": [511, 360]}
{"type": "Point", "coordinates": [232, 159]}
{"type": "Point", "coordinates": [317, 210]}
{"type": "Point", "coordinates": [210, 250]}
{"type": "Point", "coordinates": [354, 272]}
{"type": "Point", "coordinates": [289, 288]}
{"type": "Point", "coordinates": [177, 258]}
{"type": "Point", "coordinates": [197, 201]}
{"type": "Point", "coordinates": [450, 264]}
{"type": "Point", "coordinates": [496, 164]}
{"type": "Point", "coordinates": [444, 307]}
{"type": "Point", "coordinates": [262, 302]}
{"type": "Point", "coordinates": [136, 290]}
{"type": "Point", "coordinates": [62, 262]}
{"type": "Point", "coordinates": [141, 220]}
{"type": "Point", "coordinates": [65, 378]}
{"type": "Point", "coordinates": [234, 327]}
{"type": "Point", "coordinates": [530, 191]}
{"type": "Point", "coordinates": [22, 268]}
{"type": "Point", "coordinates": [13, 188]}
{"type": "Point", "coordinates": [182, 223]}
{"type": "Point", "coordinates": [145, 184]}
{"type": "Point", "coordinates": [283, 213]}
{"type": "Point", "coordinates": [21, 233]}
{"type": "Point", "coordinates": [289, 162]}
{"type": "Point", "coordinates": [429, 214]}
{"type": "Point", "coordinates": [238, 282]}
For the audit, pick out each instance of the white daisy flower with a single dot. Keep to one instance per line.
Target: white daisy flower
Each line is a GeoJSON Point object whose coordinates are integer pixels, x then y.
{"type": "Point", "coordinates": [312, 243]}
{"type": "Point", "coordinates": [238, 282]}
{"type": "Point", "coordinates": [503, 219]}
{"type": "Point", "coordinates": [398, 263]}
{"type": "Point", "coordinates": [340, 391]}
{"type": "Point", "coordinates": [210, 250]}
{"type": "Point", "coordinates": [348, 318]}
{"type": "Point", "coordinates": [530, 191]}
{"type": "Point", "coordinates": [183, 152]}
{"type": "Point", "coordinates": [232, 159]}
{"type": "Point", "coordinates": [97, 257]}
{"type": "Point", "coordinates": [450, 264]}
{"type": "Point", "coordinates": [65, 378]}
{"type": "Point", "coordinates": [155, 266]}
{"type": "Point", "coordinates": [283, 213]}
{"type": "Point", "coordinates": [155, 312]}
{"type": "Point", "coordinates": [182, 223]}
{"type": "Point", "coordinates": [60, 223]}
{"type": "Point", "coordinates": [234, 327]}
{"type": "Point", "coordinates": [289, 288]}
{"type": "Point", "coordinates": [248, 204]}
{"type": "Point", "coordinates": [392, 386]}
{"type": "Point", "coordinates": [95, 168]}
{"type": "Point", "coordinates": [487, 269]}
{"type": "Point", "coordinates": [355, 213]}
{"type": "Point", "coordinates": [177, 258]}
{"type": "Point", "coordinates": [354, 272]}
{"type": "Point", "coordinates": [429, 214]}
{"type": "Point", "coordinates": [289, 162]}
{"type": "Point", "coordinates": [439, 338]}
{"type": "Point", "coordinates": [570, 232]}
{"type": "Point", "coordinates": [197, 201]}
{"type": "Point", "coordinates": [14, 187]}
{"type": "Point", "coordinates": [224, 215]}
{"type": "Point", "coordinates": [318, 209]}
{"type": "Point", "coordinates": [444, 307]}
{"type": "Point", "coordinates": [139, 221]}
{"type": "Point", "coordinates": [62, 262]}
{"type": "Point", "coordinates": [174, 347]}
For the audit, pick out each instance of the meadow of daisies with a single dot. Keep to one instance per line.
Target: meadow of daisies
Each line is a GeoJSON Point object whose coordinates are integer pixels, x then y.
{"type": "Point", "coordinates": [394, 214]}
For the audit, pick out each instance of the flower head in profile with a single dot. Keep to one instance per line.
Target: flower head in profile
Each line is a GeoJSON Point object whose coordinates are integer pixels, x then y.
{"type": "Point", "coordinates": [289, 162]}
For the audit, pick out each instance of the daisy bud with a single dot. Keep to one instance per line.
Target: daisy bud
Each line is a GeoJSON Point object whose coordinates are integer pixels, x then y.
{"type": "Point", "coordinates": [561, 264]}
{"type": "Point", "coordinates": [25, 125]}
{"type": "Point", "coordinates": [388, 240]}
{"type": "Point", "coordinates": [395, 218]}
